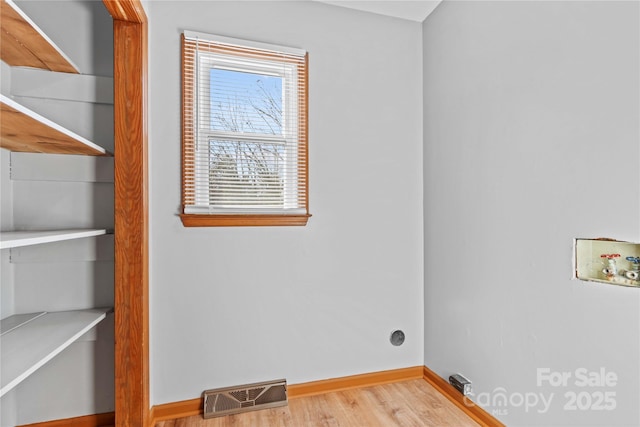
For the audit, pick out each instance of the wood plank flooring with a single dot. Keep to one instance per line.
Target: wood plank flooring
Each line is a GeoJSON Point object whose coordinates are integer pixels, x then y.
{"type": "Point", "coordinates": [413, 403]}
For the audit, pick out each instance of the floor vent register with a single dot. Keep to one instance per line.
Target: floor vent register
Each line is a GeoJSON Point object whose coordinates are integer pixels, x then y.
{"type": "Point", "coordinates": [249, 397]}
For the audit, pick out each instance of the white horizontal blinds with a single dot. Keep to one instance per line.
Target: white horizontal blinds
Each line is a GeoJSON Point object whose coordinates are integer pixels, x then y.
{"type": "Point", "coordinates": [245, 127]}
{"type": "Point", "coordinates": [188, 123]}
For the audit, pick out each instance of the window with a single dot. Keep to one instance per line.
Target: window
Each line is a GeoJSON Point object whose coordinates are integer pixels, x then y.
{"type": "Point", "coordinates": [244, 133]}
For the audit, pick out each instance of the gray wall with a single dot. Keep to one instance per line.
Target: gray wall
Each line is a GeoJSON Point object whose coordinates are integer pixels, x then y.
{"type": "Point", "coordinates": [7, 402]}
{"type": "Point", "coordinates": [237, 305]}
{"type": "Point", "coordinates": [531, 118]}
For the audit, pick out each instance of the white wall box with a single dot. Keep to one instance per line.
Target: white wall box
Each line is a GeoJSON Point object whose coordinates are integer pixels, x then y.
{"type": "Point", "coordinates": [56, 212]}
{"type": "Point", "coordinates": [607, 261]}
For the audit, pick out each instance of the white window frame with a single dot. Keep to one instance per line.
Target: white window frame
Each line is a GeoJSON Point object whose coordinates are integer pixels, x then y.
{"type": "Point", "coordinates": [205, 62]}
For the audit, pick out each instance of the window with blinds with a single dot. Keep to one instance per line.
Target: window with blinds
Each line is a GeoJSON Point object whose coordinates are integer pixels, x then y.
{"type": "Point", "coordinates": [244, 137]}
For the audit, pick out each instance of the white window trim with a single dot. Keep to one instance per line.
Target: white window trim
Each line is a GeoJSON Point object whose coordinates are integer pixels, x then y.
{"type": "Point", "coordinates": [244, 43]}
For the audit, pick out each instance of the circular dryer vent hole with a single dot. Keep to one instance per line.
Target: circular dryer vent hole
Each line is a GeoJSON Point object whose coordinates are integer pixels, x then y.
{"type": "Point", "coordinates": [397, 337]}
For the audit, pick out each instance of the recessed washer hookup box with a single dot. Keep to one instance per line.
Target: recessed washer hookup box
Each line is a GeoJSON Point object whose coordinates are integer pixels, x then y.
{"type": "Point", "coordinates": [607, 261]}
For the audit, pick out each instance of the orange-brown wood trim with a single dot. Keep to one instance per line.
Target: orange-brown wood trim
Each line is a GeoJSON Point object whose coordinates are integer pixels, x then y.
{"type": "Point", "coordinates": [170, 411]}
{"type": "Point", "coordinates": [132, 407]}
{"type": "Point", "coordinates": [196, 220]}
{"type": "Point", "coordinates": [98, 420]}
{"type": "Point", "coordinates": [126, 10]}
{"type": "Point", "coordinates": [131, 225]}
{"type": "Point", "coordinates": [474, 411]}
{"type": "Point", "coordinates": [188, 408]}
{"type": "Point", "coordinates": [354, 381]}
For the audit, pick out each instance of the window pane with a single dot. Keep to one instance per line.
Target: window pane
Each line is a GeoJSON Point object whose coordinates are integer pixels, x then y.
{"type": "Point", "coordinates": [245, 102]}
{"type": "Point", "coordinates": [245, 173]}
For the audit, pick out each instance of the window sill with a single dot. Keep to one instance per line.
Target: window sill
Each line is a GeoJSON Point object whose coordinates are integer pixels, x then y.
{"type": "Point", "coordinates": [198, 220]}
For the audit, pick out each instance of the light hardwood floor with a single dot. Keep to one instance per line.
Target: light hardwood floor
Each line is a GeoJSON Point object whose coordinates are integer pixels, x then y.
{"type": "Point", "coordinates": [412, 403]}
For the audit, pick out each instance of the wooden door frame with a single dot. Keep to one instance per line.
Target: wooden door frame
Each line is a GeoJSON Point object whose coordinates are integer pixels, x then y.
{"type": "Point", "coordinates": [131, 300]}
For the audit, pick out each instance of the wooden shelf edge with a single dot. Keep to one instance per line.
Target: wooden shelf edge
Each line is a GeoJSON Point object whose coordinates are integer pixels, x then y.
{"type": "Point", "coordinates": [15, 239]}
{"type": "Point", "coordinates": [24, 44]}
{"type": "Point", "coordinates": [16, 366]}
{"type": "Point", "coordinates": [27, 131]}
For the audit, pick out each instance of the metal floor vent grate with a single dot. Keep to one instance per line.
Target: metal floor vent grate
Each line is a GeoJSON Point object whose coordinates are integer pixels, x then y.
{"type": "Point", "coordinates": [249, 397]}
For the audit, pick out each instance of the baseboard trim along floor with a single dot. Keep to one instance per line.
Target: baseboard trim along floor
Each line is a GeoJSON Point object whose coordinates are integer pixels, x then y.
{"type": "Point", "coordinates": [96, 420]}
{"type": "Point", "coordinates": [474, 411]}
{"type": "Point", "coordinates": [187, 408]}
{"type": "Point", "coordinates": [354, 381]}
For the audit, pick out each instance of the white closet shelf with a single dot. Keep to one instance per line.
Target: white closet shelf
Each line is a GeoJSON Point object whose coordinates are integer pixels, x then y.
{"type": "Point", "coordinates": [29, 346]}
{"type": "Point", "coordinates": [12, 322]}
{"type": "Point", "coordinates": [15, 239]}
{"type": "Point", "coordinates": [24, 44]}
{"type": "Point", "coordinates": [27, 131]}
